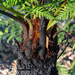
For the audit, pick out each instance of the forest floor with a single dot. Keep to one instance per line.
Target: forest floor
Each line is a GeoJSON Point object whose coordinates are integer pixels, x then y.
{"type": "Point", "coordinates": [8, 58]}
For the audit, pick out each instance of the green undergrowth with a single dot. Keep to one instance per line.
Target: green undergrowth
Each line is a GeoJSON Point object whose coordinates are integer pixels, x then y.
{"type": "Point", "coordinates": [68, 26]}
{"type": "Point", "coordinates": [10, 29]}
{"type": "Point", "coordinates": [63, 71]}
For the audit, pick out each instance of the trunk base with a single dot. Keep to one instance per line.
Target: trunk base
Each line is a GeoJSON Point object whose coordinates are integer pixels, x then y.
{"type": "Point", "coordinates": [36, 67]}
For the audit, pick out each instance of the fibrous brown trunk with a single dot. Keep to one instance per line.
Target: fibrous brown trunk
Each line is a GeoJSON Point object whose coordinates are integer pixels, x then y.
{"type": "Point", "coordinates": [33, 58]}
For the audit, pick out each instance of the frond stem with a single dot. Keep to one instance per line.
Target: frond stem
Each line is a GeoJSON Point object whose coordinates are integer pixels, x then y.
{"type": "Point", "coordinates": [33, 7]}
{"type": "Point", "coordinates": [19, 14]}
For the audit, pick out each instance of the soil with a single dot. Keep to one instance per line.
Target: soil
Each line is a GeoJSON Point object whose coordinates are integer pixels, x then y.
{"type": "Point", "coordinates": [8, 59]}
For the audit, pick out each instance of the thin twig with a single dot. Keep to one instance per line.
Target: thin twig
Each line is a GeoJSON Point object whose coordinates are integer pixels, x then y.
{"type": "Point", "coordinates": [25, 28]}
{"type": "Point", "coordinates": [65, 48]}
{"type": "Point", "coordinates": [59, 32]}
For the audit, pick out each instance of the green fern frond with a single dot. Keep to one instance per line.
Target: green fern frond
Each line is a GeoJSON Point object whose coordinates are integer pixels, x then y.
{"type": "Point", "coordinates": [39, 12]}
{"type": "Point", "coordinates": [36, 1]}
{"type": "Point", "coordinates": [67, 12]}
{"type": "Point", "coordinates": [10, 3]}
{"type": "Point", "coordinates": [64, 14]}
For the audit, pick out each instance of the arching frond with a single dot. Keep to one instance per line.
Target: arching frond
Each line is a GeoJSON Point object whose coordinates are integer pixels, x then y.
{"type": "Point", "coordinates": [67, 12]}
{"type": "Point", "coordinates": [39, 12]}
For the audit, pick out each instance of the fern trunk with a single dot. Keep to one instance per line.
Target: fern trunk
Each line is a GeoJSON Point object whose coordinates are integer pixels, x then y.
{"type": "Point", "coordinates": [30, 56]}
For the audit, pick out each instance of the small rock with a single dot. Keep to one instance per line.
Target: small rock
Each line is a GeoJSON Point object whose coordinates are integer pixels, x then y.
{"type": "Point", "coordinates": [67, 54]}
{"type": "Point", "coordinates": [71, 58]}
{"type": "Point", "coordinates": [68, 49]}
{"type": "Point", "coordinates": [68, 62]}
{"type": "Point", "coordinates": [66, 66]}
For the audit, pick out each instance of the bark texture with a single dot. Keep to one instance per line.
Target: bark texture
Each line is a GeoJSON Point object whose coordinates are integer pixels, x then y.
{"type": "Point", "coordinates": [29, 53]}
{"type": "Point", "coordinates": [36, 67]}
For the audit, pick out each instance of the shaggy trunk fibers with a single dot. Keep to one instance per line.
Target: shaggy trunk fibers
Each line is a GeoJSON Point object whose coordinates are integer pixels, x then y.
{"type": "Point", "coordinates": [33, 56]}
